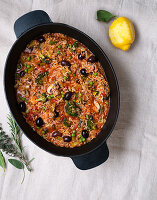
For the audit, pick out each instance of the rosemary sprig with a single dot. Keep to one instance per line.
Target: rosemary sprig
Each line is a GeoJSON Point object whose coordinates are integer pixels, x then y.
{"type": "Point", "coordinates": [7, 146]}
{"type": "Point", "coordinates": [16, 134]}
{"type": "Point", "coordinates": [12, 146]}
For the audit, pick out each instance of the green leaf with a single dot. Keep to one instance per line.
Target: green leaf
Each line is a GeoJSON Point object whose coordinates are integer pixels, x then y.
{"type": "Point", "coordinates": [2, 161]}
{"type": "Point", "coordinates": [30, 161]}
{"type": "Point", "coordinates": [71, 109]}
{"type": "Point", "coordinates": [103, 15]}
{"type": "Point", "coordinates": [16, 163]}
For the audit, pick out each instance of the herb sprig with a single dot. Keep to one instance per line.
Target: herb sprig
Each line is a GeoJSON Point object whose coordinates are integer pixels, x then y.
{"type": "Point", "coordinates": [13, 147]}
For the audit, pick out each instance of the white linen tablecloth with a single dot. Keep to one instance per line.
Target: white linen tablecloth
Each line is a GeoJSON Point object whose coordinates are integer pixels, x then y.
{"type": "Point", "coordinates": [131, 170]}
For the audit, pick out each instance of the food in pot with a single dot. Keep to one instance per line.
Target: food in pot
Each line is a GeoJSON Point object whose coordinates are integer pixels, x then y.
{"type": "Point", "coordinates": [61, 90]}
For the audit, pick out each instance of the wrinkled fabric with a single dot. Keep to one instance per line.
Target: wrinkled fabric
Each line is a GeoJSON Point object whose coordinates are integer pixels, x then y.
{"type": "Point", "coordinates": [131, 170]}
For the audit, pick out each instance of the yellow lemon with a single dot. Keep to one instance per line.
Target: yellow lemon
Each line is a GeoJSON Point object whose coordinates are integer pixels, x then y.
{"type": "Point", "coordinates": [122, 33]}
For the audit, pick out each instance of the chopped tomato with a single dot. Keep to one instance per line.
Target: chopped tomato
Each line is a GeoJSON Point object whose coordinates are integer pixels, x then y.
{"type": "Point", "coordinates": [66, 85]}
{"type": "Point", "coordinates": [103, 93]}
{"type": "Point", "coordinates": [36, 108]}
{"type": "Point", "coordinates": [70, 54]}
{"type": "Point", "coordinates": [80, 65]}
{"type": "Point", "coordinates": [71, 40]}
{"type": "Point", "coordinates": [53, 101]}
{"type": "Point", "coordinates": [62, 117]}
{"type": "Point", "coordinates": [75, 127]}
{"type": "Point", "coordinates": [41, 69]}
{"type": "Point", "coordinates": [30, 116]}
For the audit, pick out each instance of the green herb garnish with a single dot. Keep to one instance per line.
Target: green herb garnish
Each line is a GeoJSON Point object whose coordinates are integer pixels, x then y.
{"type": "Point", "coordinates": [13, 147]}
{"type": "Point", "coordinates": [90, 123]}
{"type": "Point", "coordinates": [39, 79]}
{"type": "Point", "coordinates": [75, 44]}
{"type": "Point", "coordinates": [52, 42]}
{"type": "Point", "coordinates": [71, 109]}
{"type": "Point", "coordinates": [66, 122]}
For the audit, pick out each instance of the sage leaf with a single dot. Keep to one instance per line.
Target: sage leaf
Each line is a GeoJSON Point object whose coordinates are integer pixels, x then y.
{"type": "Point", "coordinates": [103, 15]}
{"type": "Point", "coordinates": [16, 163]}
{"type": "Point", "coordinates": [2, 161]}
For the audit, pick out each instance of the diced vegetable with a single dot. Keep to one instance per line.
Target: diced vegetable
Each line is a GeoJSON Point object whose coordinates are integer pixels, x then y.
{"type": "Point", "coordinates": [28, 66]}
{"type": "Point", "coordinates": [42, 98]}
{"type": "Point", "coordinates": [65, 78]}
{"type": "Point", "coordinates": [59, 46]}
{"type": "Point", "coordinates": [50, 96]}
{"type": "Point", "coordinates": [28, 58]}
{"type": "Point", "coordinates": [91, 82]}
{"type": "Point", "coordinates": [52, 42]}
{"type": "Point", "coordinates": [90, 123]}
{"type": "Point", "coordinates": [46, 60]}
{"type": "Point", "coordinates": [96, 93]}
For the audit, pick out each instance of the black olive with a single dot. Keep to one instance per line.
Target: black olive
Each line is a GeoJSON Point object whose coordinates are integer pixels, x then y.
{"type": "Point", "coordinates": [39, 121]}
{"type": "Point", "coordinates": [106, 97]}
{"type": "Point", "coordinates": [56, 134]}
{"type": "Point", "coordinates": [92, 59]}
{"type": "Point", "coordinates": [83, 72]}
{"type": "Point", "coordinates": [56, 114]}
{"type": "Point", "coordinates": [65, 63]}
{"type": "Point", "coordinates": [22, 73]}
{"type": "Point", "coordinates": [81, 57]}
{"type": "Point", "coordinates": [85, 134]}
{"type": "Point", "coordinates": [68, 95]}
{"type": "Point", "coordinates": [40, 39]}
{"type": "Point", "coordinates": [77, 81]}
{"type": "Point", "coordinates": [67, 139]}
{"type": "Point", "coordinates": [22, 106]}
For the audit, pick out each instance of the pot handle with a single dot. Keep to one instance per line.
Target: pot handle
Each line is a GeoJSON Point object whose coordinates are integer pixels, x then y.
{"type": "Point", "coordinates": [30, 20]}
{"type": "Point", "coordinates": [92, 159]}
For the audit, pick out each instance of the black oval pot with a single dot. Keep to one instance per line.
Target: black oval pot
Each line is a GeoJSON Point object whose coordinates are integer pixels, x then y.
{"type": "Point", "coordinates": [28, 27]}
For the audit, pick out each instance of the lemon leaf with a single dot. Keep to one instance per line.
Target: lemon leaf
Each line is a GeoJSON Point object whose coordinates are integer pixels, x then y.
{"type": "Point", "coordinates": [103, 15]}
{"type": "Point", "coordinates": [2, 161]}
